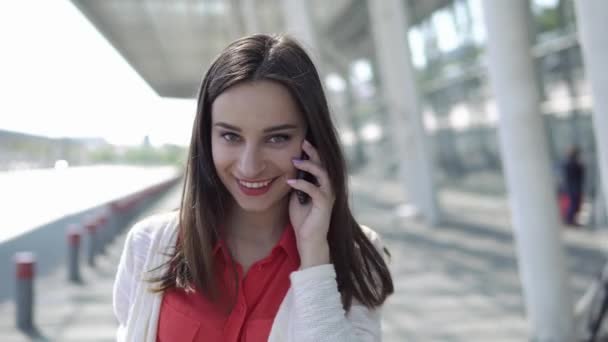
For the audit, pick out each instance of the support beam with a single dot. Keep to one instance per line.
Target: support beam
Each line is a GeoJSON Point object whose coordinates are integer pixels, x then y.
{"type": "Point", "coordinates": [593, 26]}
{"type": "Point", "coordinates": [390, 27]}
{"type": "Point", "coordinates": [527, 169]}
{"type": "Point", "coordinates": [352, 116]}
{"type": "Point", "coordinates": [299, 24]}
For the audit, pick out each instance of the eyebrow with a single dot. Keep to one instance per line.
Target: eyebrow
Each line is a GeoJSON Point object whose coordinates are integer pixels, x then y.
{"type": "Point", "coordinates": [266, 130]}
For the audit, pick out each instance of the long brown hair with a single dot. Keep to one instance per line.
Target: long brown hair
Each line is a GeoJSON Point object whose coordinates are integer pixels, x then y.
{"type": "Point", "coordinates": [361, 270]}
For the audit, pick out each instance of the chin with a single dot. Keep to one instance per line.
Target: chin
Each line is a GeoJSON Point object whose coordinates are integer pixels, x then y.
{"type": "Point", "coordinates": [259, 205]}
{"type": "Point", "coordinates": [253, 208]}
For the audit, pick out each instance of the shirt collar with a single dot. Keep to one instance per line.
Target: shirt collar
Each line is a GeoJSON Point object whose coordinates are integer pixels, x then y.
{"type": "Point", "coordinates": [287, 243]}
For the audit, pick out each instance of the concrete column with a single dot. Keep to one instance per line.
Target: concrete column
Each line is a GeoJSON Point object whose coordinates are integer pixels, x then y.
{"type": "Point", "coordinates": [353, 121]}
{"type": "Point", "coordinates": [348, 101]}
{"type": "Point", "coordinates": [389, 26]}
{"type": "Point", "coordinates": [299, 24]}
{"type": "Point", "coordinates": [527, 170]}
{"type": "Point", "coordinates": [593, 26]}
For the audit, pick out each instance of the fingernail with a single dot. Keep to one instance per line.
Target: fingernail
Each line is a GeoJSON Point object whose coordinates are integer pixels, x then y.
{"type": "Point", "coordinates": [296, 161]}
{"type": "Point", "coordinates": [291, 181]}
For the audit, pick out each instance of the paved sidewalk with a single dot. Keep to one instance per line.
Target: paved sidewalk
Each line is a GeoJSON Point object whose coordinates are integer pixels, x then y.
{"type": "Point", "coordinates": [78, 313]}
{"type": "Point", "coordinates": [459, 281]}
{"type": "Point", "coordinates": [453, 282]}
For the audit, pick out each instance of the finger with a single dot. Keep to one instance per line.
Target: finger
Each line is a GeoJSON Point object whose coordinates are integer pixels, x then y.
{"type": "Point", "coordinates": [310, 189]}
{"type": "Point", "coordinates": [316, 170]}
{"type": "Point", "coordinates": [314, 157]}
{"type": "Point", "coordinates": [311, 151]}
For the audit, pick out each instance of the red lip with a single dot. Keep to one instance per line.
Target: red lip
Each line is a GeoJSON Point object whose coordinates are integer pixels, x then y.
{"type": "Point", "coordinates": [254, 192]}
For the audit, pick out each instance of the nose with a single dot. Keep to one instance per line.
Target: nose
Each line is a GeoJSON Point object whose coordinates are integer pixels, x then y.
{"type": "Point", "coordinates": [251, 162]}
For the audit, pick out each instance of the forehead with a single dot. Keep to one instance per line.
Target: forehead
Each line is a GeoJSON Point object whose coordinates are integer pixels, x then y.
{"type": "Point", "coordinates": [256, 105]}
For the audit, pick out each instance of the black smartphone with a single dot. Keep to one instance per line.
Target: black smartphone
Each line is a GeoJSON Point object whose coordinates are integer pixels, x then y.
{"type": "Point", "coordinates": [302, 196]}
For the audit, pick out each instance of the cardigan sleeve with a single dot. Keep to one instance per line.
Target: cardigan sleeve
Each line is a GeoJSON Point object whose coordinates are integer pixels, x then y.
{"type": "Point", "coordinates": [128, 275]}
{"type": "Point", "coordinates": [318, 312]}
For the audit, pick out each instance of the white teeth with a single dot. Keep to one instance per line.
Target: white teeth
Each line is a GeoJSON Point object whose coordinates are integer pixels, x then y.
{"type": "Point", "coordinates": [255, 185]}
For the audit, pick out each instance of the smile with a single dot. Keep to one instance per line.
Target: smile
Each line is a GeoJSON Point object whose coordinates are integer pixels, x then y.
{"type": "Point", "coordinates": [255, 188]}
{"type": "Point", "coordinates": [255, 185]}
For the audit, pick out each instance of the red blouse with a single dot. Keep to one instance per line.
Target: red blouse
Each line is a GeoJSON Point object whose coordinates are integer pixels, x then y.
{"type": "Point", "coordinates": [189, 317]}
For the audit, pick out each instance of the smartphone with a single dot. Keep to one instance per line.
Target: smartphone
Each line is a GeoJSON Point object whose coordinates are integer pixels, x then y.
{"type": "Point", "coordinates": [301, 174]}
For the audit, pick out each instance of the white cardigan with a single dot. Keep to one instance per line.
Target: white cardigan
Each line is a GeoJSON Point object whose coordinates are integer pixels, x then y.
{"type": "Point", "coordinates": [311, 310]}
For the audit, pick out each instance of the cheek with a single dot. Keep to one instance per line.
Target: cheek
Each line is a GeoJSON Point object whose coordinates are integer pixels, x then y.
{"type": "Point", "coordinates": [221, 157]}
{"type": "Point", "coordinates": [285, 159]}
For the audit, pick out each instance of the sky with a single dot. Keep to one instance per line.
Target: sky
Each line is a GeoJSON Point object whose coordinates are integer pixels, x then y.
{"type": "Point", "coordinates": [61, 78]}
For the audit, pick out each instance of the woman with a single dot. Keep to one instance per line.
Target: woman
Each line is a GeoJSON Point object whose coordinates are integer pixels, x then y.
{"type": "Point", "coordinates": [573, 176]}
{"type": "Point", "coordinates": [247, 258]}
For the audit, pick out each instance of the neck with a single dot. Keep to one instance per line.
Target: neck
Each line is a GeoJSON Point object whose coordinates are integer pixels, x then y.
{"type": "Point", "coordinates": [260, 228]}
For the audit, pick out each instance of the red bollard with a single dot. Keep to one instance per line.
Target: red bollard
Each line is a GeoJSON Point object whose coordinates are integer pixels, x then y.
{"type": "Point", "coordinates": [102, 232]}
{"type": "Point", "coordinates": [118, 215]}
{"type": "Point", "coordinates": [73, 235]}
{"type": "Point", "coordinates": [24, 290]}
{"type": "Point", "coordinates": [91, 229]}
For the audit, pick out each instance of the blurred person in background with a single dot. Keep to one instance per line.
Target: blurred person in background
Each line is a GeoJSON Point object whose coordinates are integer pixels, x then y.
{"type": "Point", "coordinates": [264, 246]}
{"type": "Point", "coordinates": [573, 180]}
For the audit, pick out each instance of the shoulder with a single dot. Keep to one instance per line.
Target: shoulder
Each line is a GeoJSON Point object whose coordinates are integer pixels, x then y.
{"type": "Point", "coordinates": [150, 229]}
{"type": "Point", "coordinates": [373, 237]}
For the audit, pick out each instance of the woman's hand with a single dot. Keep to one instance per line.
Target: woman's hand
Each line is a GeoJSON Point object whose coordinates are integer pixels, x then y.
{"type": "Point", "coordinates": [311, 220]}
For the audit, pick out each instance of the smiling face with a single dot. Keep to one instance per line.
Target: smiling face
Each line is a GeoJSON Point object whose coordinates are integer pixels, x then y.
{"type": "Point", "coordinates": [256, 131]}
